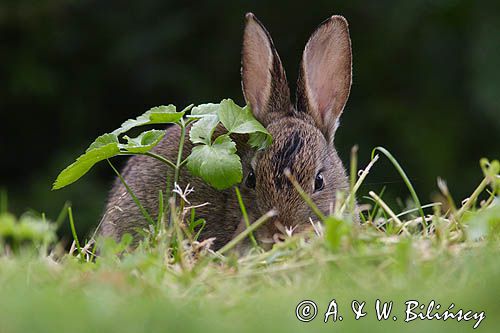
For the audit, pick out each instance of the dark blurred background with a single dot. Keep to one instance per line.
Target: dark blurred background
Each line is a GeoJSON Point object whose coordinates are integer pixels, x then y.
{"type": "Point", "coordinates": [426, 83]}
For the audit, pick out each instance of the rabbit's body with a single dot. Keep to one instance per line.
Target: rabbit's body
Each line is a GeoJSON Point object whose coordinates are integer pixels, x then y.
{"type": "Point", "coordinates": [147, 176]}
{"type": "Point", "coordinates": [302, 143]}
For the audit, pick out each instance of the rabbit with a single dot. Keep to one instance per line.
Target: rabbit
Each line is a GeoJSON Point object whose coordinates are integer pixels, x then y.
{"type": "Point", "coordinates": [303, 136]}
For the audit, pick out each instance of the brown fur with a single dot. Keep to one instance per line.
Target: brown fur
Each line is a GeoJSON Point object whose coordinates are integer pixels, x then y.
{"type": "Point", "coordinates": [147, 176]}
{"type": "Point", "coordinates": [302, 143]}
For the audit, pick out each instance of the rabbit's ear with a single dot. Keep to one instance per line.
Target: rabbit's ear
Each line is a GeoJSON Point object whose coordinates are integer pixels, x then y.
{"type": "Point", "coordinates": [262, 76]}
{"type": "Point", "coordinates": [325, 74]}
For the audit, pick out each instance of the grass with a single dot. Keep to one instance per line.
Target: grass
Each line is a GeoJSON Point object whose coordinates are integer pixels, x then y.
{"type": "Point", "coordinates": [173, 283]}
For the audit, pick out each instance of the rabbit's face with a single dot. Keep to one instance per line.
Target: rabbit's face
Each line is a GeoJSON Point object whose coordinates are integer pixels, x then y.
{"type": "Point", "coordinates": [302, 149]}
{"type": "Point", "coordinates": [302, 134]}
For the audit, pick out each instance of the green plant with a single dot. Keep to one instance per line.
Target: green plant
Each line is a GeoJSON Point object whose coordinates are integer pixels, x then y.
{"type": "Point", "coordinates": [214, 160]}
{"type": "Point", "coordinates": [29, 231]}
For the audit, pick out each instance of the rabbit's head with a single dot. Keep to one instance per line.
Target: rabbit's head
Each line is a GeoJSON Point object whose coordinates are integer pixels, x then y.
{"type": "Point", "coordinates": [302, 133]}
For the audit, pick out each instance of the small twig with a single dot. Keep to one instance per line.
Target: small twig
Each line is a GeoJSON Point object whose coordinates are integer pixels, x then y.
{"type": "Point", "coordinates": [443, 187]}
{"type": "Point", "coordinates": [388, 211]}
{"type": "Point", "coordinates": [361, 179]}
{"type": "Point", "coordinates": [352, 174]}
{"type": "Point", "coordinates": [304, 195]}
{"type": "Point", "coordinates": [247, 231]}
{"type": "Point", "coordinates": [473, 197]}
{"type": "Point", "coordinates": [435, 204]}
{"type": "Point", "coordinates": [183, 193]}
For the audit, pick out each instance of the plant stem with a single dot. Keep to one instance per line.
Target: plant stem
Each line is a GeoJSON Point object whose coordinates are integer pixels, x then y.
{"type": "Point", "coordinates": [73, 232]}
{"type": "Point", "coordinates": [153, 155]}
{"type": "Point", "coordinates": [179, 153]}
{"type": "Point", "coordinates": [187, 108]}
{"type": "Point", "coordinates": [245, 233]}
{"type": "Point", "coordinates": [356, 186]}
{"type": "Point", "coordinates": [245, 215]}
{"type": "Point", "coordinates": [473, 196]}
{"type": "Point", "coordinates": [388, 211]}
{"type": "Point", "coordinates": [405, 179]}
{"type": "Point", "coordinates": [161, 158]}
{"type": "Point", "coordinates": [304, 196]}
{"type": "Point", "coordinates": [129, 190]}
{"type": "Point", "coordinates": [166, 212]}
{"type": "Point", "coordinates": [435, 204]}
{"type": "Point", "coordinates": [62, 214]}
{"type": "Point", "coordinates": [177, 167]}
{"type": "Point", "coordinates": [161, 211]}
{"type": "Point", "coordinates": [353, 175]}
{"type": "Point", "coordinates": [177, 232]}
{"type": "Point", "coordinates": [178, 164]}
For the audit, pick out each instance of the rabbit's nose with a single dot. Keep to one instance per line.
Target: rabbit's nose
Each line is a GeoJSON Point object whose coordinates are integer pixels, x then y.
{"type": "Point", "coordinates": [282, 232]}
{"type": "Point", "coordinates": [278, 237]}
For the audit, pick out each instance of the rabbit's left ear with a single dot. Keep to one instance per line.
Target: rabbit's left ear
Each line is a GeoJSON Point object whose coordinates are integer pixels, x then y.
{"type": "Point", "coordinates": [262, 76]}
{"type": "Point", "coordinates": [325, 75]}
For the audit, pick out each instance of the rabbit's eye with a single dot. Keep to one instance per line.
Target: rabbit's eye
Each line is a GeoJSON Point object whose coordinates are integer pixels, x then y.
{"type": "Point", "coordinates": [250, 182]}
{"type": "Point", "coordinates": [319, 182]}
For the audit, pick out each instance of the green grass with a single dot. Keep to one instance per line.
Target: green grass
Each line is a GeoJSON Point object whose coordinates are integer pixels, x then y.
{"type": "Point", "coordinates": [452, 257]}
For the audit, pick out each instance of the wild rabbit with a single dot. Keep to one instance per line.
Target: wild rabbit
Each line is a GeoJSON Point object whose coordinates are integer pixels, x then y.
{"type": "Point", "coordinates": [302, 143]}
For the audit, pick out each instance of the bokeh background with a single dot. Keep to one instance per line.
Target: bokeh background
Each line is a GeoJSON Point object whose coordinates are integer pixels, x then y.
{"type": "Point", "coordinates": [426, 84]}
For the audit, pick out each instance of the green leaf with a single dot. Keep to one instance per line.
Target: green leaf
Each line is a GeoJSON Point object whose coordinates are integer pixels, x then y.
{"type": "Point", "coordinates": [259, 140]}
{"type": "Point", "coordinates": [103, 140]}
{"type": "Point", "coordinates": [217, 164]}
{"type": "Point", "coordinates": [335, 229]}
{"type": "Point", "coordinates": [204, 109]}
{"type": "Point", "coordinates": [144, 142]}
{"type": "Point", "coordinates": [241, 120]}
{"type": "Point", "coordinates": [485, 223]}
{"type": "Point", "coordinates": [27, 229]}
{"type": "Point", "coordinates": [202, 129]}
{"type": "Point", "coordinates": [104, 147]}
{"type": "Point", "coordinates": [157, 115]}
{"type": "Point", "coordinates": [83, 163]}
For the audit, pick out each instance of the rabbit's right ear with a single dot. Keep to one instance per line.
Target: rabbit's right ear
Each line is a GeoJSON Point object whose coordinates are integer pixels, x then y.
{"type": "Point", "coordinates": [263, 78]}
{"type": "Point", "coordinates": [325, 74]}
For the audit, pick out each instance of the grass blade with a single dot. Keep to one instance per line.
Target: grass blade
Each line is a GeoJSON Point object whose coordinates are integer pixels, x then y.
{"type": "Point", "coordinates": [73, 232]}
{"type": "Point", "coordinates": [245, 215]}
{"type": "Point", "coordinates": [304, 195]}
{"type": "Point", "coordinates": [247, 231]}
{"type": "Point", "coordinates": [129, 190]}
{"type": "Point", "coordinates": [405, 179]}
{"type": "Point", "coordinates": [360, 181]}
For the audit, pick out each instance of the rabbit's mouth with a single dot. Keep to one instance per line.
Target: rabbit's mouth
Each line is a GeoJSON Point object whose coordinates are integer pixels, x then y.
{"type": "Point", "coordinates": [276, 235]}
{"type": "Point", "coordinates": [271, 233]}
